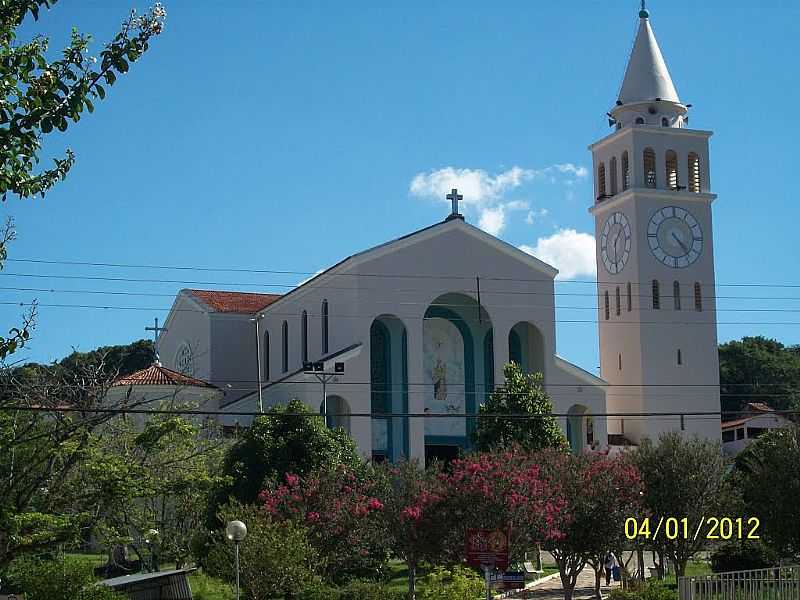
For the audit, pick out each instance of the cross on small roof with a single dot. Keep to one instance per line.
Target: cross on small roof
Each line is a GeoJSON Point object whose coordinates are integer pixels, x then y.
{"type": "Point", "coordinates": [156, 334]}
{"type": "Point", "coordinates": [454, 197]}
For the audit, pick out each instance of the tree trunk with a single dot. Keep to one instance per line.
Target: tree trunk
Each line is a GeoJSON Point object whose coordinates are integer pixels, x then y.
{"type": "Point", "coordinates": [640, 558]}
{"type": "Point", "coordinates": [598, 575]}
{"type": "Point", "coordinates": [567, 582]}
{"type": "Point", "coordinates": [412, 580]}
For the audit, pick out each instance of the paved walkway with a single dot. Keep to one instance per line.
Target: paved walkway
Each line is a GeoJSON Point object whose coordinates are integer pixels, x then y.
{"type": "Point", "coordinates": [552, 590]}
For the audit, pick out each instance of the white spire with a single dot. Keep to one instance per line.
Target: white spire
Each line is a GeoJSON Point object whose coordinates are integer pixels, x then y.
{"type": "Point", "coordinates": [647, 76]}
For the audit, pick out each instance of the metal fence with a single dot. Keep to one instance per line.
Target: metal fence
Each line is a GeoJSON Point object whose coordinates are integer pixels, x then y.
{"type": "Point", "coordinates": [776, 583]}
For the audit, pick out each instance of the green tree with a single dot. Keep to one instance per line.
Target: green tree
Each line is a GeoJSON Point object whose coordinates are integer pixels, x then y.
{"type": "Point", "coordinates": [276, 559]}
{"type": "Point", "coordinates": [64, 577]}
{"type": "Point", "coordinates": [287, 439]}
{"type": "Point", "coordinates": [758, 369]}
{"type": "Point", "coordinates": [683, 479]}
{"type": "Point", "coordinates": [41, 95]}
{"type": "Point", "coordinates": [522, 395]}
{"type": "Point", "coordinates": [770, 477]}
{"type": "Point", "coordinates": [159, 477]}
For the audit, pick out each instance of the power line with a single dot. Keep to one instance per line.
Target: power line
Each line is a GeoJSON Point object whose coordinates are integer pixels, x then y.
{"type": "Point", "coordinates": [401, 303]}
{"type": "Point", "coordinates": [378, 415]}
{"type": "Point", "coordinates": [568, 294]}
{"type": "Point", "coordinates": [371, 275]}
{"type": "Point", "coordinates": [408, 317]}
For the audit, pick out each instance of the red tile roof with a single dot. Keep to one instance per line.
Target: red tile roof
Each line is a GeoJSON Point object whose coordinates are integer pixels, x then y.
{"type": "Point", "coordinates": [156, 374]}
{"type": "Point", "coordinates": [234, 302]}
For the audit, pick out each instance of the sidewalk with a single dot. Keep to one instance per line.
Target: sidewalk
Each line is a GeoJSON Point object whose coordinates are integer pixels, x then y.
{"type": "Point", "coordinates": [552, 590]}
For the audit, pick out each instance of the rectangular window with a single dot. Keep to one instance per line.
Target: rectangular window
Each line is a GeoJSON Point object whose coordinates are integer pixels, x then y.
{"type": "Point", "coordinates": [740, 434]}
{"type": "Point", "coordinates": [727, 436]}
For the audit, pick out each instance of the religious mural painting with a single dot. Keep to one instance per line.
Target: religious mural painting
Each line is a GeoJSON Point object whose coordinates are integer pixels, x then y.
{"type": "Point", "coordinates": [443, 351]}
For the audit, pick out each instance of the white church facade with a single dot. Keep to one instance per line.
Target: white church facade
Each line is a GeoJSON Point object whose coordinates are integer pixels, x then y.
{"type": "Point", "coordinates": [424, 324]}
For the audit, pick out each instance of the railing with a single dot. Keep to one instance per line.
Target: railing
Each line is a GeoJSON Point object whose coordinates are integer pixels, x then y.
{"type": "Point", "coordinates": [776, 583]}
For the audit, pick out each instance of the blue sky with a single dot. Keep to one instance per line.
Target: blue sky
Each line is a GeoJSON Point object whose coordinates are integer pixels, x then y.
{"type": "Point", "coordinates": [287, 135]}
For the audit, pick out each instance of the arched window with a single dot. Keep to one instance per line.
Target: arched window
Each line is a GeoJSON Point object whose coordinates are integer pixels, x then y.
{"type": "Point", "coordinates": [664, 122]}
{"type": "Point", "coordinates": [698, 297]}
{"type": "Point", "coordinates": [694, 173]}
{"type": "Point", "coordinates": [676, 292]}
{"type": "Point", "coordinates": [285, 347]}
{"type": "Point", "coordinates": [640, 120]}
{"type": "Point", "coordinates": [601, 181]}
{"type": "Point", "coordinates": [266, 356]}
{"type": "Point", "coordinates": [607, 307]}
{"type": "Point", "coordinates": [304, 336]}
{"type": "Point", "coordinates": [656, 295]}
{"type": "Point", "coordinates": [649, 161]}
{"type": "Point", "coordinates": [672, 169]}
{"type": "Point", "coordinates": [324, 327]}
{"type": "Point", "coordinates": [626, 171]}
{"type": "Point", "coordinates": [612, 167]}
{"type": "Point", "coordinates": [630, 298]}
{"type": "Point", "coordinates": [618, 302]}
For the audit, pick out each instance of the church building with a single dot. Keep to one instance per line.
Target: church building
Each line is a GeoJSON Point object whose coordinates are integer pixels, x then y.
{"type": "Point", "coordinates": [424, 324]}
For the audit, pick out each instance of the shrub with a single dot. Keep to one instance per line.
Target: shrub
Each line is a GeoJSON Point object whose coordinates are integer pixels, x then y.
{"type": "Point", "coordinates": [652, 590]}
{"type": "Point", "coordinates": [355, 590]}
{"type": "Point", "coordinates": [457, 584]}
{"type": "Point", "coordinates": [67, 578]}
{"type": "Point", "coordinates": [742, 556]}
{"type": "Point", "coordinates": [275, 559]}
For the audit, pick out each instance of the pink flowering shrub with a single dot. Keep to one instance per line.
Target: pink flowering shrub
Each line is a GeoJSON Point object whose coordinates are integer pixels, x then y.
{"type": "Point", "coordinates": [341, 511]}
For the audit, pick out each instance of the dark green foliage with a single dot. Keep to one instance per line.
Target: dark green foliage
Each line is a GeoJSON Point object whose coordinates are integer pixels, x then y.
{"type": "Point", "coordinates": [742, 556]}
{"type": "Point", "coordinates": [522, 394]}
{"type": "Point", "coordinates": [652, 590]}
{"type": "Point", "coordinates": [65, 578]}
{"type": "Point", "coordinates": [769, 472]}
{"type": "Point", "coordinates": [356, 590]}
{"type": "Point", "coordinates": [40, 96]}
{"type": "Point", "coordinates": [684, 478]}
{"type": "Point", "coordinates": [275, 559]}
{"type": "Point", "coordinates": [758, 369]}
{"type": "Point", "coordinates": [276, 445]}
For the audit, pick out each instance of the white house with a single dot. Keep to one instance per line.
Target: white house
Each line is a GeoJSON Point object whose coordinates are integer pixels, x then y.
{"type": "Point", "coordinates": [425, 323]}
{"type": "Point", "coordinates": [737, 434]}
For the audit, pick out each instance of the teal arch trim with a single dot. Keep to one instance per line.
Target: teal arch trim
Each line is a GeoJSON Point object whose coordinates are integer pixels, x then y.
{"type": "Point", "coordinates": [381, 376]}
{"type": "Point", "coordinates": [488, 364]}
{"type": "Point", "coordinates": [469, 372]}
{"type": "Point", "coordinates": [515, 348]}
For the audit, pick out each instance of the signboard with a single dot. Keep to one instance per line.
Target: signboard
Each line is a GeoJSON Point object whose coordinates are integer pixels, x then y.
{"type": "Point", "coordinates": [514, 580]}
{"type": "Point", "coordinates": [487, 547]}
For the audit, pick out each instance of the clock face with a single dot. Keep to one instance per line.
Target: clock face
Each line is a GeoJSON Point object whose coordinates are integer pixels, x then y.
{"type": "Point", "coordinates": [675, 237]}
{"type": "Point", "coordinates": [615, 242]}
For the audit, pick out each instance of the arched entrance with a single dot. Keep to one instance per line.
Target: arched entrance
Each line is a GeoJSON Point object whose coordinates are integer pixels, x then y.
{"type": "Point", "coordinates": [580, 428]}
{"type": "Point", "coordinates": [338, 413]}
{"type": "Point", "coordinates": [389, 387]}
{"type": "Point", "coordinates": [526, 347]}
{"type": "Point", "coordinates": [456, 334]}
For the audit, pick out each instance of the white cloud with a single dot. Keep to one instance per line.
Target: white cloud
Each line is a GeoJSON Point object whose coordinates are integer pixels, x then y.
{"type": "Point", "coordinates": [572, 169]}
{"type": "Point", "coordinates": [569, 251]}
{"type": "Point", "coordinates": [493, 220]}
{"type": "Point", "coordinates": [477, 186]}
{"type": "Point", "coordinates": [535, 214]}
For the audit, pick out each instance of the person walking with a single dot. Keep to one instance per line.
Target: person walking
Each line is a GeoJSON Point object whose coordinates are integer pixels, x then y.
{"type": "Point", "coordinates": [610, 563]}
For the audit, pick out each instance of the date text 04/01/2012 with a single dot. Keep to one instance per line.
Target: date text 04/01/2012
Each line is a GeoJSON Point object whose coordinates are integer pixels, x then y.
{"type": "Point", "coordinates": [712, 528]}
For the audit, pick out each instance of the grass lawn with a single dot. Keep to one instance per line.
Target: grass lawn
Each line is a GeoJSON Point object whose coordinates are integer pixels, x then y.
{"type": "Point", "coordinates": [205, 587]}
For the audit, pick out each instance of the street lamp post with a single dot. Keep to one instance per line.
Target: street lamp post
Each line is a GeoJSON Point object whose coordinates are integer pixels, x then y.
{"type": "Point", "coordinates": [236, 531]}
{"type": "Point", "coordinates": [317, 369]}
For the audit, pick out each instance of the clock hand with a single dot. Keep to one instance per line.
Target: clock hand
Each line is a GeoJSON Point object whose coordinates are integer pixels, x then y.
{"type": "Point", "coordinates": [614, 244]}
{"type": "Point", "coordinates": [680, 243]}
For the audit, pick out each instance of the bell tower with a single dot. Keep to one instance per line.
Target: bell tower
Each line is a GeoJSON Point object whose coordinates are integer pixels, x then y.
{"type": "Point", "coordinates": [655, 261]}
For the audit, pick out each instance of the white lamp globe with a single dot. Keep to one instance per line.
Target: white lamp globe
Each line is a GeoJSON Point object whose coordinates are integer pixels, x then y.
{"type": "Point", "coordinates": [236, 531]}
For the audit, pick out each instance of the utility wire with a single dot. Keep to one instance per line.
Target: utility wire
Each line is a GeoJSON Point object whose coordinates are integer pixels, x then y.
{"type": "Point", "coordinates": [408, 317]}
{"type": "Point", "coordinates": [372, 275]}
